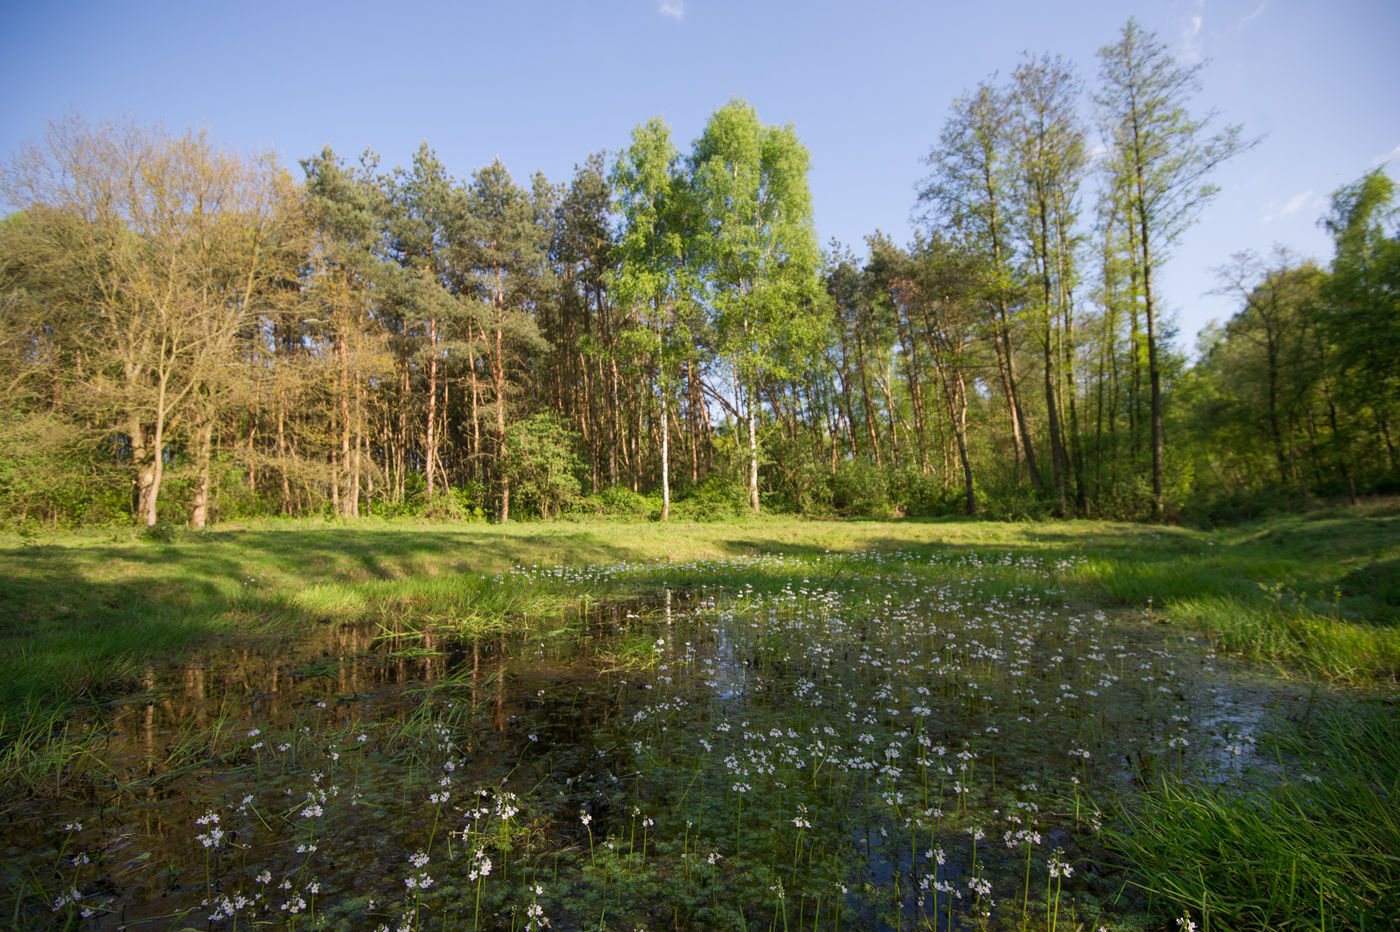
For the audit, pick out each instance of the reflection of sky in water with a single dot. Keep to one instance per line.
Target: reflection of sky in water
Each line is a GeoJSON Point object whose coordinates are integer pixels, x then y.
{"type": "Point", "coordinates": [878, 688]}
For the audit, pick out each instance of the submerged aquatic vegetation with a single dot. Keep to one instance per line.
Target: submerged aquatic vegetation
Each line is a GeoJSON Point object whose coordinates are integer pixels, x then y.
{"type": "Point", "coordinates": [877, 740]}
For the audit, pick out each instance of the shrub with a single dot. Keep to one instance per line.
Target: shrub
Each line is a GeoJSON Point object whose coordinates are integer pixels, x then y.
{"type": "Point", "coordinates": [1237, 507]}
{"type": "Point", "coordinates": [718, 498]}
{"type": "Point", "coordinates": [541, 457]}
{"type": "Point", "coordinates": [618, 501]}
{"type": "Point", "coordinates": [922, 495]}
{"type": "Point", "coordinates": [860, 488]}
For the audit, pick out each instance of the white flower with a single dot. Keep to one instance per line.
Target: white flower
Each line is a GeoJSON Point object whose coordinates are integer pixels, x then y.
{"type": "Point", "coordinates": [1058, 868]}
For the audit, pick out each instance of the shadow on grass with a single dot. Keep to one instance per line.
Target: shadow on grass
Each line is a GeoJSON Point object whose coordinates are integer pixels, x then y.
{"type": "Point", "coordinates": [82, 621]}
{"type": "Point", "coordinates": [80, 618]}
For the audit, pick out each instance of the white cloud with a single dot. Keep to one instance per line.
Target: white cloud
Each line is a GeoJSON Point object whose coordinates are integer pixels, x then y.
{"type": "Point", "coordinates": [1382, 159]}
{"type": "Point", "coordinates": [1250, 17]}
{"type": "Point", "coordinates": [1296, 203]}
{"type": "Point", "coordinates": [672, 8]}
{"type": "Point", "coordinates": [1191, 33]}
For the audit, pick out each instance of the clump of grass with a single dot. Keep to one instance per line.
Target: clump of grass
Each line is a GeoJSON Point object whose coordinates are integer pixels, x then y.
{"type": "Point", "coordinates": [1315, 851]}
{"type": "Point", "coordinates": [637, 652]}
{"type": "Point", "coordinates": [330, 600]}
{"type": "Point", "coordinates": [34, 752]}
{"type": "Point", "coordinates": [1294, 635]}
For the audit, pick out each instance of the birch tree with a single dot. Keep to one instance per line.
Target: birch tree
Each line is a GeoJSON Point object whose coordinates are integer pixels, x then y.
{"type": "Point", "coordinates": [757, 252]}
{"type": "Point", "coordinates": [1159, 159]}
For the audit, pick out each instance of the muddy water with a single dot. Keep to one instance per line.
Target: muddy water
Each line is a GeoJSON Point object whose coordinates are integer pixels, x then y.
{"type": "Point", "coordinates": [324, 781]}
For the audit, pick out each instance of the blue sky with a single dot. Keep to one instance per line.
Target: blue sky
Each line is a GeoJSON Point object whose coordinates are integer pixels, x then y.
{"type": "Point", "coordinates": [867, 87]}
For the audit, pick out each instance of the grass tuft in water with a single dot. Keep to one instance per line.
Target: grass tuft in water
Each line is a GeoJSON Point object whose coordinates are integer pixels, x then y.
{"type": "Point", "coordinates": [1313, 848]}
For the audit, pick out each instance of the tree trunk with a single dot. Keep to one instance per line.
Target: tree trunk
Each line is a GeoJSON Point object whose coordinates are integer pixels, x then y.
{"type": "Point", "coordinates": [499, 375]}
{"type": "Point", "coordinates": [199, 515]}
{"type": "Point", "coordinates": [144, 461]}
{"type": "Point", "coordinates": [282, 455]}
{"type": "Point", "coordinates": [430, 435]}
{"type": "Point", "coordinates": [753, 453]}
{"type": "Point", "coordinates": [697, 407]}
{"type": "Point", "coordinates": [356, 470]}
{"type": "Point", "coordinates": [1154, 374]}
{"type": "Point", "coordinates": [665, 460]}
{"type": "Point", "coordinates": [342, 488]}
{"type": "Point", "coordinates": [1052, 410]}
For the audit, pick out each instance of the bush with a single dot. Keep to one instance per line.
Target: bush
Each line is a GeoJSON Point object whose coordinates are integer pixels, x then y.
{"type": "Point", "coordinates": [619, 502]}
{"type": "Point", "coordinates": [922, 495]}
{"type": "Point", "coordinates": [232, 499]}
{"type": "Point", "coordinates": [461, 503]}
{"type": "Point", "coordinates": [860, 488]}
{"type": "Point", "coordinates": [1238, 507]}
{"type": "Point", "coordinates": [543, 462]}
{"type": "Point", "coordinates": [718, 498]}
{"type": "Point", "coordinates": [1016, 503]}
{"type": "Point", "coordinates": [800, 474]}
{"type": "Point", "coordinates": [50, 477]}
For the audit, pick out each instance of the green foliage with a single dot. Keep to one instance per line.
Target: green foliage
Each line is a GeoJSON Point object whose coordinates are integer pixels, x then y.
{"type": "Point", "coordinates": [860, 489]}
{"type": "Point", "coordinates": [669, 306]}
{"type": "Point", "coordinates": [757, 253]}
{"type": "Point", "coordinates": [922, 494]}
{"type": "Point", "coordinates": [619, 502]}
{"type": "Point", "coordinates": [1209, 510]}
{"type": "Point", "coordinates": [465, 502]}
{"type": "Point", "coordinates": [50, 475]}
{"type": "Point", "coordinates": [714, 499]}
{"type": "Point", "coordinates": [542, 462]}
{"type": "Point", "coordinates": [1362, 296]}
{"type": "Point", "coordinates": [1315, 851]}
{"type": "Point", "coordinates": [1016, 502]}
{"type": "Point", "coordinates": [799, 474]}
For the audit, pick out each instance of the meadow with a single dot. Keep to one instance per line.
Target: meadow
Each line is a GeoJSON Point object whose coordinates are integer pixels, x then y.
{"type": "Point", "coordinates": [775, 724]}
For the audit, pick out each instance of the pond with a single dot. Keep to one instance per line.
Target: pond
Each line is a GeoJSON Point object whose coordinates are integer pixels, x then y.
{"type": "Point", "coordinates": [864, 741]}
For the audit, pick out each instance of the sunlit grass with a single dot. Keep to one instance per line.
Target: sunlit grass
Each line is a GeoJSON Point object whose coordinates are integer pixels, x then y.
{"type": "Point", "coordinates": [875, 725]}
{"type": "Point", "coordinates": [81, 611]}
{"type": "Point", "coordinates": [1313, 848]}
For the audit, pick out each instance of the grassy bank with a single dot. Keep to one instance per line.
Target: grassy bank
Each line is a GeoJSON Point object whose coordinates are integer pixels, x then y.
{"type": "Point", "coordinates": [1312, 846]}
{"type": "Point", "coordinates": [80, 615]}
{"type": "Point", "coordinates": [86, 616]}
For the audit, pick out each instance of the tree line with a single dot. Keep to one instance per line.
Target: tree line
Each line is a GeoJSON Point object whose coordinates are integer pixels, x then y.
{"type": "Point", "coordinates": [190, 333]}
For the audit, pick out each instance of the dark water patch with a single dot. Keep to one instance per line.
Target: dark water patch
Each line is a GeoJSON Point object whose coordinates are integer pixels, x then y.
{"type": "Point", "coordinates": [888, 739]}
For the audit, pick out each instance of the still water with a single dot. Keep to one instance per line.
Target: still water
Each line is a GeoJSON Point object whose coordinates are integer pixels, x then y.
{"type": "Point", "coordinates": [870, 741]}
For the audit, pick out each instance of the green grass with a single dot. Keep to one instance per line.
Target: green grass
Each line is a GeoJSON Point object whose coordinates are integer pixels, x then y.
{"type": "Point", "coordinates": [1309, 846]}
{"type": "Point", "coordinates": [80, 614]}
{"type": "Point", "coordinates": [1315, 849]}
